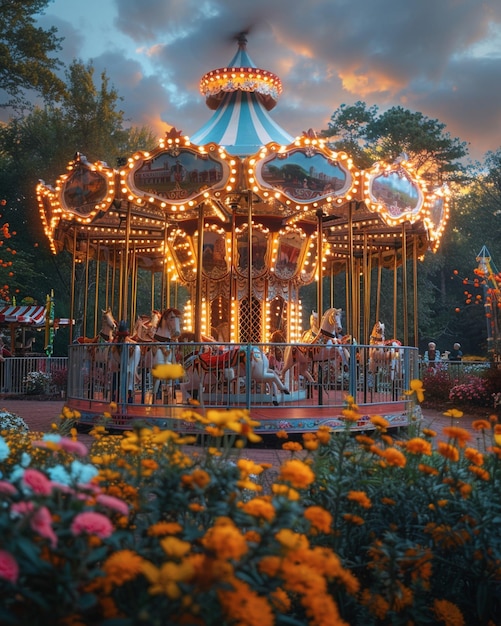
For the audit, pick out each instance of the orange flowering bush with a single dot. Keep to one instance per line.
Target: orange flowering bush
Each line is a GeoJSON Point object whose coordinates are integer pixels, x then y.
{"type": "Point", "coordinates": [146, 528]}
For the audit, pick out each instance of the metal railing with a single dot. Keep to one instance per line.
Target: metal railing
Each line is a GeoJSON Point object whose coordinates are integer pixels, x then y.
{"type": "Point", "coordinates": [25, 375]}
{"type": "Point", "coordinates": [244, 375]}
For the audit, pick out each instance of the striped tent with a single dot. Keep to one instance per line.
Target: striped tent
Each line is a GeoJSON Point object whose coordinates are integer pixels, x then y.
{"type": "Point", "coordinates": [32, 315]}
{"type": "Point", "coordinates": [241, 96]}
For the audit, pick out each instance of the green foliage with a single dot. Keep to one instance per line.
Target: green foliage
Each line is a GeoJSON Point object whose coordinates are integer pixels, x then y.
{"type": "Point", "coordinates": [360, 529]}
{"type": "Point", "coordinates": [27, 53]}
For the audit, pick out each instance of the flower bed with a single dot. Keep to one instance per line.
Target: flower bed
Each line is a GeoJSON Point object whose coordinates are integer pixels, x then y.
{"type": "Point", "coordinates": [359, 530]}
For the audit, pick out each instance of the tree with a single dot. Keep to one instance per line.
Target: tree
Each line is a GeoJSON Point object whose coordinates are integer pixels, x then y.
{"type": "Point", "coordinates": [25, 53]}
{"type": "Point", "coordinates": [38, 146]}
{"type": "Point", "coordinates": [369, 136]}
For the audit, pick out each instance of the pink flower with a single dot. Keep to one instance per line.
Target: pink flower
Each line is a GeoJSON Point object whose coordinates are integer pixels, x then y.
{"type": "Point", "coordinates": [92, 523]}
{"type": "Point", "coordinates": [41, 523]}
{"type": "Point", "coordinates": [9, 569]}
{"type": "Point", "coordinates": [7, 489]}
{"type": "Point", "coordinates": [113, 503]}
{"type": "Point", "coordinates": [75, 447]}
{"type": "Point", "coordinates": [22, 508]}
{"type": "Point", "coordinates": [38, 482]}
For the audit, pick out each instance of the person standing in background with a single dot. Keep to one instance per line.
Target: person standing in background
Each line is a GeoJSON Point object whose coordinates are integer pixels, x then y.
{"type": "Point", "coordinates": [455, 353]}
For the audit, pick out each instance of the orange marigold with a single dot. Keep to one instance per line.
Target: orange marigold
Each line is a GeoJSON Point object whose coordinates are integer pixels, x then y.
{"type": "Point", "coordinates": [457, 434]}
{"type": "Point", "coordinates": [361, 498]}
{"type": "Point", "coordinates": [480, 425]}
{"type": "Point", "coordinates": [448, 613]}
{"type": "Point", "coordinates": [417, 445]}
{"type": "Point", "coordinates": [319, 518]}
{"type": "Point", "coordinates": [394, 457]}
{"type": "Point", "coordinates": [448, 451]}
{"type": "Point", "coordinates": [380, 422]}
{"type": "Point", "coordinates": [473, 455]}
{"type": "Point", "coordinates": [297, 473]}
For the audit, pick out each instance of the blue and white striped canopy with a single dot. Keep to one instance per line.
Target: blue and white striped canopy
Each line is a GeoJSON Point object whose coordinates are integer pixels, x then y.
{"type": "Point", "coordinates": [241, 125]}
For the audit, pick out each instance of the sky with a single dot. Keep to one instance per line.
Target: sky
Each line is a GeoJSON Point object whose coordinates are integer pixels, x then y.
{"type": "Point", "coordinates": [441, 58]}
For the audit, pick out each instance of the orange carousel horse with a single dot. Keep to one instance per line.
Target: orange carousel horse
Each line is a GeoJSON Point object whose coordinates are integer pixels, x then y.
{"type": "Point", "coordinates": [384, 352]}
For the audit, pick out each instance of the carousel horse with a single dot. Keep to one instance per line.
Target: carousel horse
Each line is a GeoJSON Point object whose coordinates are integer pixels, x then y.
{"type": "Point", "coordinates": [214, 367]}
{"type": "Point", "coordinates": [384, 352]}
{"type": "Point", "coordinates": [98, 346]}
{"type": "Point", "coordinates": [321, 339]}
{"type": "Point", "coordinates": [156, 334]}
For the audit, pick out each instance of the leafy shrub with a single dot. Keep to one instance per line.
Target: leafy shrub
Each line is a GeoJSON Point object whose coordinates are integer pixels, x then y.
{"type": "Point", "coordinates": [359, 529]}
{"type": "Point", "coordinates": [473, 392]}
{"type": "Point", "coordinates": [37, 382]}
{"type": "Point", "coordinates": [437, 383]}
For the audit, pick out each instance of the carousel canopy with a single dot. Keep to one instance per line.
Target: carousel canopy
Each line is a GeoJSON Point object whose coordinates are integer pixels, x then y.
{"type": "Point", "coordinates": [241, 162]}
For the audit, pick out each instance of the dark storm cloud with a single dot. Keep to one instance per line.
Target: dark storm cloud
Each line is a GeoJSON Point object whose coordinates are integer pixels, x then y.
{"type": "Point", "coordinates": [423, 55]}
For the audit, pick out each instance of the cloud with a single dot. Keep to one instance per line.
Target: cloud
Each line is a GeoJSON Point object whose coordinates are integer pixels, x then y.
{"type": "Point", "coordinates": [440, 58]}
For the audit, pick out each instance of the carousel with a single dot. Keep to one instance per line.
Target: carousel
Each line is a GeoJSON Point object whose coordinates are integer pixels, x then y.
{"type": "Point", "coordinates": [201, 252]}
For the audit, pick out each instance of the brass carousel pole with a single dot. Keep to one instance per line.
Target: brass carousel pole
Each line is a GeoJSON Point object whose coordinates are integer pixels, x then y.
{"type": "Point", "coordinates": [199, 284]}
{"type": "Point", "coordinates": [395, 292]}
{"type": "Point", "coordinates": [86, 286]}
{"type": "Point", "coordinates": [405, 308]}
{"type": "Point", "coordinates": [351, 259]}
{"type": "Point", "coordinates": [125, 290]}
{"type": "Point", "coordinates": [72, 296]}
{"type": "Point", "coordinates": [249, 262]}
{"type": "Point", "coordinates": [320, 255]}
{"type": "Point", "coordinates": [415, 289]}
{"type": "Point", "coordinates": [96, 299]}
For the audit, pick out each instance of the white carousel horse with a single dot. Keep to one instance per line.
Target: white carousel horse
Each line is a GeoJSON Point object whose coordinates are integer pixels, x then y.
{"type": "Point", "coordinates": [214, 367]}
{"type": "Point", "coordinates": [158, 332]}
{"type": "Point", "coordinates": [384, 352]}
{"type": "Point", "coordinates": [324, 345]}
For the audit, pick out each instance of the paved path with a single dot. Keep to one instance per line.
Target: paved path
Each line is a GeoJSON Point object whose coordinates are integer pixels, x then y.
{"type": "Point", "coordinates": [39, 415]}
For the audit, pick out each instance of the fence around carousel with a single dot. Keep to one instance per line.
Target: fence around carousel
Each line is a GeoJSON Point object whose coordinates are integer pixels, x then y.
{"type": "Point", "coordinates": [33, 374]}
{"type": "Point", "coordinates": [226, 377]}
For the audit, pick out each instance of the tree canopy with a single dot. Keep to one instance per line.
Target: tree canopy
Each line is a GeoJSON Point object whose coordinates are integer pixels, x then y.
{"type": "Point", "coordinates": [27, 60]}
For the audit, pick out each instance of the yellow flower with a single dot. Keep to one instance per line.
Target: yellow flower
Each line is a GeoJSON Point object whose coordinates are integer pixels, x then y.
{"type": "Point", "coordinates": [291, 540]}
{"type": "Point", "coordinates": [416, 387]}
{"type": "Point", "coordinates": [174, 547]}
{"type": "Point", "coordinates": [168, 371]}
{"type": "Point", "coordinates": [456, 413]}
{"type": "Point", "coordinates": [165, 579]}
{"type": "Point", "coordinates": [121, 567]}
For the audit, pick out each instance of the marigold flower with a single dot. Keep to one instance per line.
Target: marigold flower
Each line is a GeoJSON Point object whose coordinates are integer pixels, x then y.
{"type": "Point", "coordinates": [292, 446]}
{"type": "Point", "coordinates": [121, 567]}
{"type": "Point", "coordinates": [291, 540]}
{"type": "Point", "coordinates": [394, 457]}
{"type": "Point", "coordinates": [361, 498]}
{"type": "Point", "coordinates": [417, 445]}
{"type": "Point", "coordinates": [225, 540]}
{"type": "Point", "coordinates": [473, 455]}
{"type": "Point", "coordinates": [297, 473]}
{"type": "Point", "coordinates": [479, 472]}
{"type": "Point", "coordinates": [459, 435]}
{"type": "Point", "coordinates": [282, 434]}
{"type": "Point", "coordinates": [242, 605]}
{"type": "Point", "coordinates": [456, 413]}
{"type": "Point", "coordinates": [248, 467]}
{"type": "Point", "coordinates": [428, 432]}
{"type": "Point", "coordinates": [164, 528]}
{"type": "Point", "coordinates": [165, 579]}
{"type": "Point", "coordinates": [480, 425]}
{"type": "Point", "coordinates": [168, 371]}
{"type": "Point", "coordinates": [379, 422]}
{"type": "Point", "coordinates": [174, 547]}
{"type": "Point", "coordinates": [356, 520]}
{"type": "Point", "coordinates": [319, 518]}
{"type": "Point", "coordinates": [448, 613]}
{"type": "Point", "coordinates": [448, 451]}
{"type": "Point", "coordinates": [259, 507]}
{"type": "Point", "coordinates": [350, 415]}
{"type": "Point", "coordinates": [324, 435]}
{"type": "Point", "coordinates": [284, 490]}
